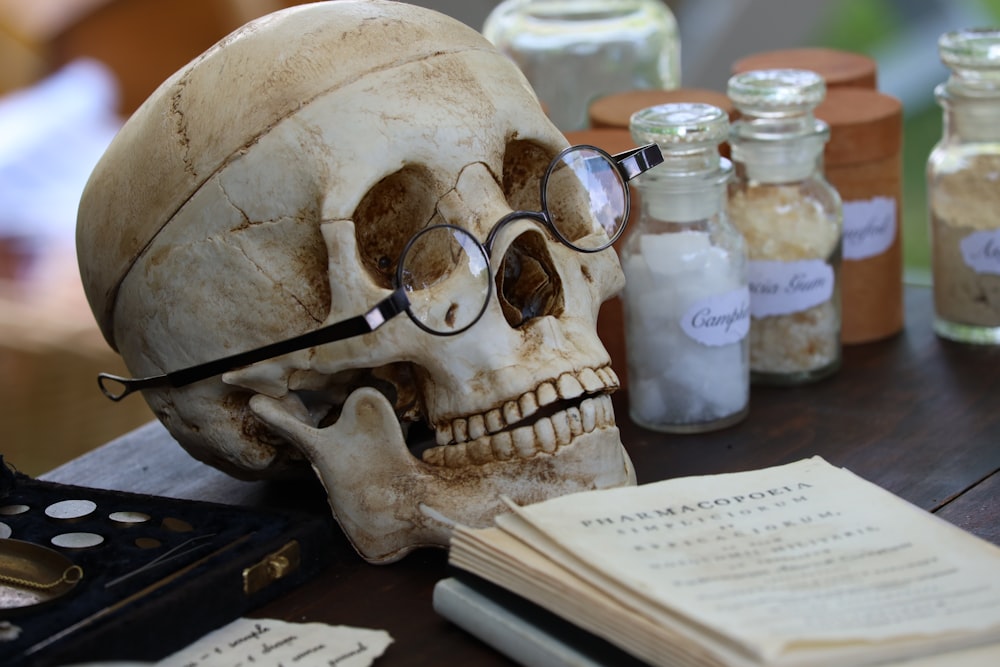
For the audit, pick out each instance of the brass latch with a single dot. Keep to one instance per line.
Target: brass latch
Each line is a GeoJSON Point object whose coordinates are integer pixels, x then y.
{"type": "Point", "coordinates": [274, 566]}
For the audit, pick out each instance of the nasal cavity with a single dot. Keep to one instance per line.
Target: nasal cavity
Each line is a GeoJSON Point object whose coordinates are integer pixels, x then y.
{"type": "Point", "coordinates": [528, 284]}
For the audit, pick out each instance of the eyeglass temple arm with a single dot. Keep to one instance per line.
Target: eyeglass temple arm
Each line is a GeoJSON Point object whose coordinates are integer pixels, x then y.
{"type": "Point", "coordinates": [638, 160]}
{"type": "Point", "coordinates": [116, 387]}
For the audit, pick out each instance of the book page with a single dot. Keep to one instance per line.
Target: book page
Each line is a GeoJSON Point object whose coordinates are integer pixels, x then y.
{"type": "Point", "coordinates": [787, 561]}
{"type": "Point", "coordinates": [503, 559]}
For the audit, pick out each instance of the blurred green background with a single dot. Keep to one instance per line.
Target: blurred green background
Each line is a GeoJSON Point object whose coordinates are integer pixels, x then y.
{"type": "Point", "coordinates": [900, 35]}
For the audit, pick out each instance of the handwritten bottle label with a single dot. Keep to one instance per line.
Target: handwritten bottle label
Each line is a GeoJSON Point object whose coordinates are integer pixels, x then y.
{"type": "Point", "coordinates": [266, 642]}
{"type": "Point", "coordinates": [869, 227]}
{"type": "Point", "coordinates": [981, 251]}
{"type": "Point", "coordinates": [720, 319]}
{"type": "Point", "coordinates": [781, 288]}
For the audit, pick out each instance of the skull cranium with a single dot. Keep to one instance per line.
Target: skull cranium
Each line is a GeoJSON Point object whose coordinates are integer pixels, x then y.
{"type": "Point", "coordinates": [267, 189]}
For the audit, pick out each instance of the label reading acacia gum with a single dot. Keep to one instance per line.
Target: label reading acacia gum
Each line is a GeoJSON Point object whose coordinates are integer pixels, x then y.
{"type": "Point", "coordinates": [782, 288]}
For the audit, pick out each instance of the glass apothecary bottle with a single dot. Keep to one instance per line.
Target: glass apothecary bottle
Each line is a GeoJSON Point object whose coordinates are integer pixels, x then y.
{"type": "Point", "coordinates": [686, 300]}
{"type": "Point", "coordinates": [963, 188]}
{"type": "Point", "coordinates": [792, 220]}
{"type": "Point", "coordinates": [574, 51]}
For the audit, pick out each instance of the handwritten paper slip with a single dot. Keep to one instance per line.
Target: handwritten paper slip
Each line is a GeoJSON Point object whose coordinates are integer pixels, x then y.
{"type": "Point", "coordinates": [253, 642]}
{"type": "Point", "coordinates": [791, 565]}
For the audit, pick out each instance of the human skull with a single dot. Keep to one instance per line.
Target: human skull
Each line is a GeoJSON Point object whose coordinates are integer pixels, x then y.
{"type": "Point", "coordinates": [267, 189]}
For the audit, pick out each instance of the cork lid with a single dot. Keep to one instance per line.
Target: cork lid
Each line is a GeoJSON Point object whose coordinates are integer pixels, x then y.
{"type": "Point", "coordinates": [616, 109]}
{"type": "Point", "coordinates": [864, 125]}
{"type": "Point", "coordinates": [838, 68]}
{"type": "Point", "coordinates": [612, 139]}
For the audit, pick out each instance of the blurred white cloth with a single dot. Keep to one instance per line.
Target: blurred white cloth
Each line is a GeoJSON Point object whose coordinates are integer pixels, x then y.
{"type": "Point", "coordinates": [51, 136]}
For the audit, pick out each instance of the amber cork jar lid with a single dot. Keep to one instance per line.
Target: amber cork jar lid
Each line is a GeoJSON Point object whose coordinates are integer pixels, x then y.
{"type": "Point", "coordinates": [838, 68]}
{"type": "Point", "coordinates": [615, 110]}
{"type": "Point", "coordinates": [865, 125]}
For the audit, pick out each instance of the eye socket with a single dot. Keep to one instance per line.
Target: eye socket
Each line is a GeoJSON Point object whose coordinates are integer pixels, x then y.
{"type": "Point", "coordinates": [524, 165]}
{"type": "Point", "coordinates": [395, 209]}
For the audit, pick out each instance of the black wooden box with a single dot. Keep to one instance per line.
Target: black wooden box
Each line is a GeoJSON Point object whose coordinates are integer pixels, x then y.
{"type": "Point", "coordinates": [165, 573]}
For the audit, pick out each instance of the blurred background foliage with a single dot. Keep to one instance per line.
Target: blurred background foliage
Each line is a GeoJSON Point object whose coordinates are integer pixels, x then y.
{"type": "Point", "coordinates": [902, 36]}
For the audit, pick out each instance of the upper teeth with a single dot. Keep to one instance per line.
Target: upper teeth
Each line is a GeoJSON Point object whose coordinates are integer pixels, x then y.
{"type": "Point", "coordinates": [481, 438]}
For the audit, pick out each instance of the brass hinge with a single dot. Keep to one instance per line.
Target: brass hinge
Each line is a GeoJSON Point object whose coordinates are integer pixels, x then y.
{"type": "Point", "coordinates": [273, 567]}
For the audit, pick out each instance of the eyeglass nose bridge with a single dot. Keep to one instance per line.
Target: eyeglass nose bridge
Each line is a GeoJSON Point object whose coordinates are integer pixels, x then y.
{"type": "Point", "coordinates": [538, 216]}
{"type": "Point", "coordinates": [545, 220]}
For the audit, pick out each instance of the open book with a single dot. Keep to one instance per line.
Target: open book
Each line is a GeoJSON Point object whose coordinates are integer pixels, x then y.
{"type": "Point", "coordinates": [796, 565]}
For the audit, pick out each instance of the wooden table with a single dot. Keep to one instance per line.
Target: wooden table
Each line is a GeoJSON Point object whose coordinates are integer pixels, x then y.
{"type": "Point", "coordinates": [918, 415]}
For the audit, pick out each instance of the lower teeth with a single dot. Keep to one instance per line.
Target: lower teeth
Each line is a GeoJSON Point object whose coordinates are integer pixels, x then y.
{"type": "Point", "coordinates": [546, 434]}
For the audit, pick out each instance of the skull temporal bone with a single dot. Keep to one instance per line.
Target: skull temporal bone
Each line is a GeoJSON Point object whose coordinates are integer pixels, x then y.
{"type": "Point", "coordinates": [245, 225]}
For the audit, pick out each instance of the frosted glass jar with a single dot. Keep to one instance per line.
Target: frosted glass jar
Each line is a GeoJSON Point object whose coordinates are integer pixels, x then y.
{"type": "Point", "coordinates": [686, 301]}
{"type": "Point", "coordinates": [792, 220]}
{"type": "Point", "coordinates": [575, 51]}
{"type": "Point", "coordinates": [963, 187]}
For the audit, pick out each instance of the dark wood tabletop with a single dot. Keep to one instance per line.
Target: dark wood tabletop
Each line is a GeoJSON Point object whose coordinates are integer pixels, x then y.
{"type": "Point", "coordinates": [918, 415]}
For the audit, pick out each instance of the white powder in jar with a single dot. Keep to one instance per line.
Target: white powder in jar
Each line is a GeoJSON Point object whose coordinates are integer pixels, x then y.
{"type": "Point", "coordinates": [674, 378]}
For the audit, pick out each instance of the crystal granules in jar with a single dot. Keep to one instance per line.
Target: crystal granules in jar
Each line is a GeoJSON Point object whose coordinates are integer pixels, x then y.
{"type": "Point", "coordinates": [791, 284]}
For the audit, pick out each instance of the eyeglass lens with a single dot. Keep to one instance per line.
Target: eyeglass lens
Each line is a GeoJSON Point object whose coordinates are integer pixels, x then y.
{"type": "Point", "coordinates": [446, 274]}
{"type": "Point", "coordinates": [585, 180]}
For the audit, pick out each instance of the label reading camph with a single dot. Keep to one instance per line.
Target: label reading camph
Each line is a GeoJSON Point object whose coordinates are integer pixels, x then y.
{"type": "Point", "coordinates": [720, 319]}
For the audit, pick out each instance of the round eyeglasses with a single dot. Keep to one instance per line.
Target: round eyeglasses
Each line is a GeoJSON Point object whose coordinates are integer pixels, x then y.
{"type": "Point", "coordinates": [443, 278]}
